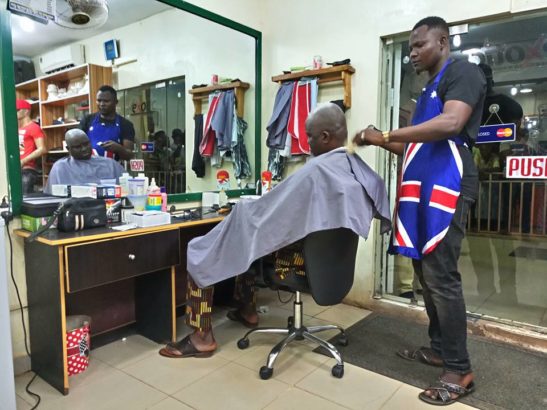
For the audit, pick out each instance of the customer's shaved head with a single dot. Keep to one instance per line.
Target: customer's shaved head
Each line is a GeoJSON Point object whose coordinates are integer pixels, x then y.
{"type": "Point", "coordinates": [326, 128]}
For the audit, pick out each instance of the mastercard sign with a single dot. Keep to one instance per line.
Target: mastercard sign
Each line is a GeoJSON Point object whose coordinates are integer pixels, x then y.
{"type": "Point", "coordinates": [496, 133]}
{"type": "Point", "coordinates": [504, 132]}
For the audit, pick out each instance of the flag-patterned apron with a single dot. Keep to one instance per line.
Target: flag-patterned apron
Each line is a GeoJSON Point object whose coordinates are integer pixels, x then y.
{"type": "Point", "coordinates": [430, 185]}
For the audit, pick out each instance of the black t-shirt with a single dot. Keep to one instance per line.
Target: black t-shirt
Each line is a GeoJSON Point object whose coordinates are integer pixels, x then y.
{"type": "Point", "coordinates": [464, 81]}
{"type": "Point", "coordinates": [127, 131]}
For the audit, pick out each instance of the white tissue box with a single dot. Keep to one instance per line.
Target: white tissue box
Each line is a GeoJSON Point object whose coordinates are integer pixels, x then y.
{"type": "Point", "coordinates": [149, 218]}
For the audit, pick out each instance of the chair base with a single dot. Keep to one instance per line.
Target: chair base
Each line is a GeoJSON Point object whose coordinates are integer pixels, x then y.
{"type": "Point", "coordinates": [295, 331]}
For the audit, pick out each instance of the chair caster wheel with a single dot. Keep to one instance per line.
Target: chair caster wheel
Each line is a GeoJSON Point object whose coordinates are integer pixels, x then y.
{"type": "Point", "coordinates": [338, 371]}
{"type": "Point", "coordinates": [243, 343]}
{"type": "Point", "coordinates": [266, 372]}
{"type": "Point", "coordinates": [290, 322]}
{"type": "Point", "coordinates": [342, 340]}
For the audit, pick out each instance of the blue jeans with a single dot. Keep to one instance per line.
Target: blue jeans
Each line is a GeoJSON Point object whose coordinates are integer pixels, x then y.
{"type": "Point", "coordinates": [443, 294]}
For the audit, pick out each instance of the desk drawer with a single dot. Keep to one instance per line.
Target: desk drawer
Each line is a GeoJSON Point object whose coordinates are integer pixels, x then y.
{"type": "Point", "coordinates": [97, 263]}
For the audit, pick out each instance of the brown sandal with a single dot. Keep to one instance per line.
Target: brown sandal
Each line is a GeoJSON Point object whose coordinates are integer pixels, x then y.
{"type": "Point", "coordinates": [183, 349]}
{"type": "Point", "coordinates": [423, 354]}
{"type": "Point", "coordinates": [443, 392]}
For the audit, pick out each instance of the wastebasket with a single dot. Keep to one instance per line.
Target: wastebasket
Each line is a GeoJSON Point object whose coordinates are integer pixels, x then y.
{"type": "Point", "coordinates": [77, 343]}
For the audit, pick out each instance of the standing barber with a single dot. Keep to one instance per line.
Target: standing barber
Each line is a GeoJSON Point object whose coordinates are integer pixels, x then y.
{"type": "Point", "coordinates": [111, 135]}
{"type": "Point", "coordinates": [439, 184]}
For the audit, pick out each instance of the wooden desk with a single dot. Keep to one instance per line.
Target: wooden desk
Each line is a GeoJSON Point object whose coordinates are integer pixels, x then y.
{"type": "Point", "coordinates": [59, 265]}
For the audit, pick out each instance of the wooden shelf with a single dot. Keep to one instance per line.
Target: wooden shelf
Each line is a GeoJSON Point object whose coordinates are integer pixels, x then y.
{"type": "Point", "coordinates": [324, 75]}
{"type": "Point", "coordinates": [50, 110]}
{"type": "Point", "coordinates": [198, 94]}
{"type": "Point", "coordinates": [61, 102]}
{"type": "Point", "coordinates": [67, 75]}
{"type": "Point", "coordinates": [68, 124]}
{"type": "Point", "coordinates": [29, 85]}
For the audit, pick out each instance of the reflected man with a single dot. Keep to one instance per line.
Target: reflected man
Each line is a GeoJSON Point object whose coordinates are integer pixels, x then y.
{"type": "Point", "coordinates": [80, 167]}
{"type": "Point", "coordinates": [110, 134]}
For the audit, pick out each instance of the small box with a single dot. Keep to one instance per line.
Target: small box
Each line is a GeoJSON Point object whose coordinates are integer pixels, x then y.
{"type": "Point", "coordinates": [83, 191]}
{"type": "Point", "coordinates": [109, 191]}
{"type": "Point", "coordinates": [60, 190]}
{"type": "Point", "coordinates": [150, 218]}
{"type": "Point", "coordinates": [34, 223]}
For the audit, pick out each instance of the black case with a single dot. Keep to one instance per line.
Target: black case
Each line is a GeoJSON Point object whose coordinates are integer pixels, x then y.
{"type": "Point", "coordinates": [40, 206]}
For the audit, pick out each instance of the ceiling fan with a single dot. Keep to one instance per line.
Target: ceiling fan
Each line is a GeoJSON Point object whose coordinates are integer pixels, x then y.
{"type": "Point", "coordinates": [81, 14]}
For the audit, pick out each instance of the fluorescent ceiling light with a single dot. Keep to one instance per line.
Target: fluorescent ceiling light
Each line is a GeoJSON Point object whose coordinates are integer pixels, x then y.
{"type": "Point", "coordinates": [457, 40]}
{"type": "Point", "coordinates": [514, 91]}
{"type": "Point", "coordinates": [525, 90]}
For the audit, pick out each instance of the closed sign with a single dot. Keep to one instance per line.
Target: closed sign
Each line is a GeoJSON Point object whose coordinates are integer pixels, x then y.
{"type": "Point", "coordinates": [526, 167]}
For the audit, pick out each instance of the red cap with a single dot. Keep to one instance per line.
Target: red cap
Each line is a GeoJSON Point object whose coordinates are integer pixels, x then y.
{"type": "Point", "coordinates": [22, 105]}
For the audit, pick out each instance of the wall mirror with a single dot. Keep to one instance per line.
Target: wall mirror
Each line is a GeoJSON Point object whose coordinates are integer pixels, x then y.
{"type": "Point", "coordinates": [166, 48]}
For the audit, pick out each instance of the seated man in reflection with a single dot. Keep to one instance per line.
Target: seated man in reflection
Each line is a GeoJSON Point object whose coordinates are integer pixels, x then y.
{"type": "Point", "coordinates": [80, 167]}
{"type": "Point", "coordinates": [334, 189]}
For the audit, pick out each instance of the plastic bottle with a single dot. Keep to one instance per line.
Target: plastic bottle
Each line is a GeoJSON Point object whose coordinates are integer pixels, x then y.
{"type": "Point", "coordinates": [154, 199]}
{"type": "Point", "coordinates": [141, 175]}
{"type": "Point", "coordinates": [124, 184]}
{"type": "Point", "coordinates": [163, 199]}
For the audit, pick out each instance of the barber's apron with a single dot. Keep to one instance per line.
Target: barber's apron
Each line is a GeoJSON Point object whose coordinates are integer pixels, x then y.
{"type": "Point", "coordinates": [100, 131]}
{"type": "Point", "coordinates": [430, 185]}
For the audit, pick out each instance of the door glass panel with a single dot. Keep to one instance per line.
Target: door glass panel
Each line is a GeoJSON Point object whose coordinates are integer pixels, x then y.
{"type": "Point", "coordinates": [504, 255]}
{"type": "Point", "coordinates": [157, 112]}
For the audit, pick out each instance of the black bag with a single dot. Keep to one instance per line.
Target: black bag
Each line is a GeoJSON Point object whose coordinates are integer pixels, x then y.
{"type": "Point", "coordinates": [81, 213]}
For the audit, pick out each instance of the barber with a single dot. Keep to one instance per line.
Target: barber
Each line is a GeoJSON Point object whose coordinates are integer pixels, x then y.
{"type": "Point", "coordinates": [111, 135]}
{"type": "Point", "coordinates": [439, 184]}
{"type": "Point", "coordinates": [81, 167]}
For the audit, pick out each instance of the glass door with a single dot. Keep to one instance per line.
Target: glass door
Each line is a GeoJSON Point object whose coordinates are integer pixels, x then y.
{"type": "Point", "coordinates": [504, 255]}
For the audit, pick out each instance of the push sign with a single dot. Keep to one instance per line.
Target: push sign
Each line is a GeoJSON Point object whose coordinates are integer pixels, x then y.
{"type": "Point", "coordinates": [147, 146]}
{"type": "Point", "coordinates": [496, 133]}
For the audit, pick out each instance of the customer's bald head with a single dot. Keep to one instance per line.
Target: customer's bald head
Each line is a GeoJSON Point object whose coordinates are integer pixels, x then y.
{"type": "Point", "coordinates": [78, 144]}
{"type": "Point", "coordinates": [326, 128]}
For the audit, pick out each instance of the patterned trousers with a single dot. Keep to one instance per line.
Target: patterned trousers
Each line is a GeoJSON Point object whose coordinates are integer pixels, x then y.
{"type": "Point", "coordinates": [289, 261]}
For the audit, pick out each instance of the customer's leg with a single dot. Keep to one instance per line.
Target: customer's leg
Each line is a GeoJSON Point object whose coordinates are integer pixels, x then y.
{"type": "Point", "coordinates": [245, 297]}
{"type": "Point", "coordinates": [201, 342]}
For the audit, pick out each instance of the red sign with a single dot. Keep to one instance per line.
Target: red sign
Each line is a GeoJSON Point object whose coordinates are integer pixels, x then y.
{"type": "Point", "coordinates": [136, 165]}
{"type": "Point", "coordinates": [526, 167]}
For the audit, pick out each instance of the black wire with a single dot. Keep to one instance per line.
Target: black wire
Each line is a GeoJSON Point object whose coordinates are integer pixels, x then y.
{"type": "Point", "coordinates": [284, 301]}
{"type": "Point", "coordinates": [27, 388]}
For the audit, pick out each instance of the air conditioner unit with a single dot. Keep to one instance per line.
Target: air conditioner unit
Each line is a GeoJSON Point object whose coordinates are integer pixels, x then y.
{"type": "Point", "coordinates": [61, 58]}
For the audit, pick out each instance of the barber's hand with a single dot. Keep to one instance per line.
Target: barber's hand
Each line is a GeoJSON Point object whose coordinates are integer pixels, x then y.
{"type": "Point", "coordinates": [111, 146]}
{"type": "Point", "coordinates": [369, 136]}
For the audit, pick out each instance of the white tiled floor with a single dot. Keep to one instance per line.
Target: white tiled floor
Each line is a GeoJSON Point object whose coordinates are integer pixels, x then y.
{"type": "Point", "coordinates": [131, 375]}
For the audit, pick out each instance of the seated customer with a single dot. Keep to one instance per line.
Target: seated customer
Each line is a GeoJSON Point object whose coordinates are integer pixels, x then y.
{"type": "Point", "coordinates": [333, 190]}
{"type": "Point", "coordinates": [80, 167]}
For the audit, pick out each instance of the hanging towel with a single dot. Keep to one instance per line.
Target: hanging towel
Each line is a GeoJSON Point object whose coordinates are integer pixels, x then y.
{"type": "Point", "coordinates": [303, 100]}
{"type": "Point", "coordinates": [198, 165]}
{"type": "Point", "coordinates": [207, 145]}
{"type": "Point", "coordinates": [277, 127]}
{"type": "Point", "coordinates": [223, 118]}
{"type": "Point", "coordinates": [242, 166]}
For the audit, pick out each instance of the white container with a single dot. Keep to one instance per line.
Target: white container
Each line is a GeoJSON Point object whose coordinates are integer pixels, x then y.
{"type": "Point", "coordinates": [124, 183]}
{"type": "Point", "coordinates": [150, 218]}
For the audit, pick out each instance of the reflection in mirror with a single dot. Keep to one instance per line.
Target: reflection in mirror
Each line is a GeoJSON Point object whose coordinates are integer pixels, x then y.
{"type": "Point", "coordinates": [164, 53]}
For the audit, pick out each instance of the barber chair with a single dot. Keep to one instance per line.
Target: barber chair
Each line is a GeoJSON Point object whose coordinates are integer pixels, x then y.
{"type": "Point", "coordinates": [329, 265]}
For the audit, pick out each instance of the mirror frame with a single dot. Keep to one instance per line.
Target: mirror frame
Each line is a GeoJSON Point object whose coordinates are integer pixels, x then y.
{"type": "Point", "coordinates": [7, 84]}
